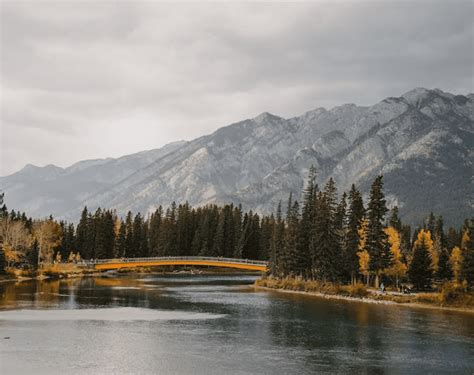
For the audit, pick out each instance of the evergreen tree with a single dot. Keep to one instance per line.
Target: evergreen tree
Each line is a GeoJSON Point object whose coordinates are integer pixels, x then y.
{"type": "Point", "coordinates": [405, 241]}
{"type": "Point", "coordinates": [237, 227]}
{"type": "Point", "coordinates": [377, 244]}
{"type": "Point", "coordinates": [277, 243]}
{"type": "Point", "coordinates": [289, 254]}
{"type": "Point", "coordinates": [82, 234]}
{"type": "Point", "coordinates": [444, 272]}
{"type": "Point", "coordinates": [121, 241]}
{"type": "Point", "coordinates": [303, 255]}
{"type": "Point", "coordinates": [33, 255]}
{"type": "Point", "coordinates": [266, 227]}
{"type": "Point", "coordinates": [327, 252]}
{"type": "Point", "coordinates": [154, 231]}
{"type": "Point", "coordinates": [355, 216]}
{"type": "Point", "coordinates": [420, 271]}
{"type": "Point", "coordinates": [467, 249]}
{"type": "Point", "coordinates": [394, 220]}
{"type": "Point", "coordinates": [229, 231]}
{"type": "Point", "coordinates": [144, 244]}
{"type": "Point", "coordinates": [453, 238]}
{"type": "Point", "coordinates": [137, 235]}
{"type": "Point", "coordinates": [431, 224]}
{"type": "Point", "coordinates": [219, 239]}
{"type": "Point", "coordinates": [129, 241]}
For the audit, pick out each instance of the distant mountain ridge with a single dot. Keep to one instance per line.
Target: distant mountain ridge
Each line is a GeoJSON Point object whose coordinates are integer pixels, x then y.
{"type": "Point", "coordinates": [423, 143]}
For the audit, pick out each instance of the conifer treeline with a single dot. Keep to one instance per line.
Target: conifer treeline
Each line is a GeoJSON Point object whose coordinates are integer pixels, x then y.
{"type": "Point", "coordinates": [329, 237]}
{"type": "Point", "coordinates": [181, 230]}
{"type": "Point", "coordinates": [337, 239]}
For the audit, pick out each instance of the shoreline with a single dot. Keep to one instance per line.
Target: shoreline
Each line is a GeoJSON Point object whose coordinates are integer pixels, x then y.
{"type": "Point", "coordinates": [321, 295]}
{"type": "Point", "coordinates": [108, 274]}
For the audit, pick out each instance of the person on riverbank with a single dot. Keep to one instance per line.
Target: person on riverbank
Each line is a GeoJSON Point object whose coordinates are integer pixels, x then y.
{"type": "Point", "coordinates": [382, 288]}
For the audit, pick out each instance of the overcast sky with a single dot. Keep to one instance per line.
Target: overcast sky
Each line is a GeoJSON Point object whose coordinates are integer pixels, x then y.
{"type": "Point", "coordinates": [90, 80]}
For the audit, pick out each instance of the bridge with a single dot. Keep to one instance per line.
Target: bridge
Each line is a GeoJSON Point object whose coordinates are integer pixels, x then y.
{"type": "Point", "coordinates": [113, 264]}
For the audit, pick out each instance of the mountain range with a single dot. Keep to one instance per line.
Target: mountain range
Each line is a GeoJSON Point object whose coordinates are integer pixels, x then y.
{"type": "Point", "coordinates": [422, 142]}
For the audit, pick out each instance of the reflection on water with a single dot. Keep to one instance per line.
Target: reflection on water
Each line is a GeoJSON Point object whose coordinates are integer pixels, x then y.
{"type": "Point", "coordinates": [217, 324]}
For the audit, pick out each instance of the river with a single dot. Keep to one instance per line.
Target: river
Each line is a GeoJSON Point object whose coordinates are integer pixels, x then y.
{"type": "Point", "coordinates": [217, 324]}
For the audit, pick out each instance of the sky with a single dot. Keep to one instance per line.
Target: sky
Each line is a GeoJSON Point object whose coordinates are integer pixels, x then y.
{"type": "Point", "coordinates": [88, 79]}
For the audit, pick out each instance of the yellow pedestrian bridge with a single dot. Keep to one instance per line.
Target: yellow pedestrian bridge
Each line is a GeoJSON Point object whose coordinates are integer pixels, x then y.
{"type": "Point", "coordinates": [113, 264]}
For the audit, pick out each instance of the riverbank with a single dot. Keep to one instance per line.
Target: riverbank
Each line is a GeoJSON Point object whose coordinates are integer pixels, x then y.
{"type": "Point", "coordinates": [450, 298]}
{"type": "Point", "coordinates": [71, 270]}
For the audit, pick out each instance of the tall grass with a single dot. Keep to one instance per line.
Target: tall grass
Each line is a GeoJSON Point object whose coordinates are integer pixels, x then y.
{"type": "Point", "coordinates": [297, 284]}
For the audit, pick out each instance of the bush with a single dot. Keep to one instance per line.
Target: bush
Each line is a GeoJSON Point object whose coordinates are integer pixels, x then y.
{"type": "Point", "coordinates": [356, 290]}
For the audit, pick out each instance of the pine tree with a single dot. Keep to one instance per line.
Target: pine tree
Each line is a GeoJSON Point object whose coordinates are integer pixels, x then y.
{"type": "Point", "coordinates": [394, 220]}
{"type": "Point", "coordinates": [277, 243]}
{"type": "Point", "coordinates": [33, 255]}
{"type": "Point", "coordinates": [405, 241]}
{"type": "Point", "coordinates": [129, 250]}
{"type": "Point", "coordinates": [108, 228]}
{"type": "Point", "coordinates": [453, 238]}
{"type": "Point", "coordinates": [445, 271]}
{"type": "Point", "coordinates": [229, 231]}
{"type": "Point", "coordinates": [467, 248]}
{"type": "Point", "coordinates": [289, 253]}
{"type": "Point", "coordinates": [237, 227]}
{"type": "Point", "coordinates": [144, 244]}
{"type": "Point", "coordinates": [431, 224]}
{"type": "Point", "coordinates": [121, 241]}
{"type": "Point", "coordinates": [154, 232]}
{"type": "Point", "coordinates": [356, 214]}
{"type": "Point", "coordinates": [137, 235]}
{"type": "Point", "coordinates": [303, 261]}
{"type": "Point", "coordinates": [420, 271]}
{"type": "Point", "coordinates": [377, 244]}
{"type": "Point", "coordinates": [82, 234]}
{"type": "Point", "coordinates": [327, 252]}
{"type": "Point", "coordinates": [340, 228]}
{"type": "Point", "coordinates": [266, 227]}
{"type": "Point", "coordinates": [219, 239]}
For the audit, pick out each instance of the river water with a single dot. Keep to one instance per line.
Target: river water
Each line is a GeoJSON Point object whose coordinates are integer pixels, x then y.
{"type": "Point", "coordinates": [217, 324]}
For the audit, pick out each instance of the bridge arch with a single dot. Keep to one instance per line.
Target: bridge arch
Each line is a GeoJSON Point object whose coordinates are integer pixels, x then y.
{"type": "Point", "coordinates": [244, 264]}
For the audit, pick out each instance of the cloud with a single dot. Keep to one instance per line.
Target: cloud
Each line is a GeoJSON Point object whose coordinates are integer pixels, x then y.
{"type": "Point", "coordinates": [96, 79]}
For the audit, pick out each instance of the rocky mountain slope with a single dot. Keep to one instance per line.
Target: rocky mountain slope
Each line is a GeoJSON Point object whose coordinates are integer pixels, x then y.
{"type": "Point", "coordinates": [423, 143]}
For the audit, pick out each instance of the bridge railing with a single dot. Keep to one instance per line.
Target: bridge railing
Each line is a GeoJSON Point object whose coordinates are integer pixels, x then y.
{"type": "Point", "coordinates": [191, 258]}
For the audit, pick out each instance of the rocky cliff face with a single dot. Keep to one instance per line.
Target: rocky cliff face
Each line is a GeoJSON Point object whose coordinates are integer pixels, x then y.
{"type": "Point", "coordinates": [422, 142]}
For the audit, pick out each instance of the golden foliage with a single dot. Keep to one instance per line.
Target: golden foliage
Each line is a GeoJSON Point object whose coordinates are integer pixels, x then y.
{"type": "Point", "coordinates": [362, 231]}
{"type": "Point", "coordinates": [465, 239]}
{"type": "Point", "coordinates": [363, 254]}
{"type": "Point", "coordinates": [397, 268]}
{"type": "Point", "coordinates": [425, 235]}
{"type": "Point", "coordinates": [49, 236]}
{"type": "Point", "coordinates": [456, 260]}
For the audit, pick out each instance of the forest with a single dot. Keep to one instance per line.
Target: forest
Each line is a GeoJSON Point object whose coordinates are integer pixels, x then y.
{"type": "Point", "coordinates": [327, 237]}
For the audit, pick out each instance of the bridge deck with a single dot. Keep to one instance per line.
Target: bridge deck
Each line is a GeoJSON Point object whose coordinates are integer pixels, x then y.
{"type": "Point", "coordinates": [245, 264]}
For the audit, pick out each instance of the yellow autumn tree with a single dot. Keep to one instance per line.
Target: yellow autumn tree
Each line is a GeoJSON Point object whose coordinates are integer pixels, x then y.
{"type": "Point", "coordinates": [465, 239]}
{"type": "Point", "coordinates": [456, 260]}
{"type": "Point", "coordinates": [16, 240]}
{"type": "Point", "coordinates": [48, 235]}
{"type": "Point", "coordinates": [397, 268]}
{"type": "Point", "coordinates": [71, 258]}
{"type": "Point", "coordinates": [425, 235]}
{"type": "Point", "coordinates": [363, 254]}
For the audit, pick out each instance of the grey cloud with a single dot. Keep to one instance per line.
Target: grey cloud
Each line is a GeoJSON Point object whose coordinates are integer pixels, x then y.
{"type": "Point", "coordinates": [140, 74]}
